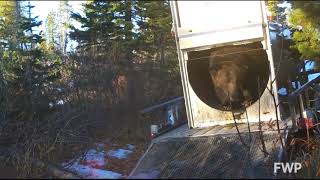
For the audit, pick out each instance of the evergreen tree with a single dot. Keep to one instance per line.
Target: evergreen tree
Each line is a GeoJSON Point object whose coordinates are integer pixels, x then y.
{"type": "Point", "coordinates": [28, 72]}
{"type": "Point", "coordinates": [305, 18]}
{"type": "Point", "coordinates": [155, 25]}
{"type": "Point", "coordinates": [97, 27]}
{"type": "Point", "coordinates": [278, 13]}
{"type": "Point", "coordinates": [37, 67]}
{"type": "Point", "coordinates": [9, 20]}
{"type": "Point", "coordinates": [51, 28]}
{"type": "Point", "coordinates": [63, 21]}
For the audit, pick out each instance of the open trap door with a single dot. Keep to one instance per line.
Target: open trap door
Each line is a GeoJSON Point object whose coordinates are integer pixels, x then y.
{"type": "Point", "coordinates": [230, 77]}
{"type": "Point", "coordinates": [226, 64]}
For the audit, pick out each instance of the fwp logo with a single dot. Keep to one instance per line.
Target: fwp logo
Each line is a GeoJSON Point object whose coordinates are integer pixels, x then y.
{"type": "Point", "coordinates": [287, 167]}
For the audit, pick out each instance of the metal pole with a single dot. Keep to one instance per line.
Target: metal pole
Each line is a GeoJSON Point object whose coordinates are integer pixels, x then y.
{"type": "Point", "coordinates": [293, 114]}
{"type": "Point", "coordinates": [301, 107]}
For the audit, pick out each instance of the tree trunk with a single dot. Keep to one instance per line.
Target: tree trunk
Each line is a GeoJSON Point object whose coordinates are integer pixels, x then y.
{"type": "Point", "coordinates": [162, 49]}
{"type": "Point", "coordinates": [129, 55]}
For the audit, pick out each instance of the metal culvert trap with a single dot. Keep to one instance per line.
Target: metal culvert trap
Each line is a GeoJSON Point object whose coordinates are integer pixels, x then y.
{"type": "Point", "coordinates": [223, 61]}
{"type": "Point", "coordinates": [226, 78]}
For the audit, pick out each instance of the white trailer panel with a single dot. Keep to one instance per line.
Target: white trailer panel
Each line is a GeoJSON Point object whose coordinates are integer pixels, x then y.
{"type": "Point", "coordinates": [203, 23]}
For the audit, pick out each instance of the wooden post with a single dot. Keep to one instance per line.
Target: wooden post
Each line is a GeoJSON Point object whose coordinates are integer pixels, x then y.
{"type": "Point", "coordinates": [293, 114]}
{"type": "Point", "coordinates": [307, 99]}
{"type": "Point", "coordinates": [301, 107]}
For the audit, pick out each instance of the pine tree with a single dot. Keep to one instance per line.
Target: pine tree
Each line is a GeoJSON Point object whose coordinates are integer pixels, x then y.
{"type": "Point", "coordinates": [39, 65]}
{"type": "Point", "coordinates": [272, 7]}
{"type": "Point", "coordinates": [27, 71]}
{"type": "Point", "coordinates": [51, 28]}
{"type": "Point", "coordinates": [155, 25]}
{"type": "Point", "coordinates": [10, 17]}
{"type": "Point", "coordinates": [63, 21]}
{"type": "Point", "coordinates": [57, 25]}
{"type": "Point", "coordinates": [305, 15]}
{"type": "Point", "coordinates": [98, 27]}
{"type": "Point", "coordinates": [8, 47]}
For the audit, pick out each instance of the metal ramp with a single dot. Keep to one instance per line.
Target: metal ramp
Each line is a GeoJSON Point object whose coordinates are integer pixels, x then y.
{"type": "Point", "coordinates": [198, 153]}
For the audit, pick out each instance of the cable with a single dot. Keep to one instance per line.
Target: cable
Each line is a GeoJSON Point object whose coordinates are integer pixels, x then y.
{"type": "Point", "coordinates": [250, 138]}
{"type": "Point", "coordinates": [264, 149]}
{"type": "Point", "coordinates": [276, 111]}
{"type": "Point", "coordinates": [235, 123]}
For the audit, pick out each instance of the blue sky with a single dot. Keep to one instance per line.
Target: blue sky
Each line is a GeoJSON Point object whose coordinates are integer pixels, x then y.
{"type": "Point", "coordinates": [285, 4]}
{"type": "Point", "coordinates": [42, 9]}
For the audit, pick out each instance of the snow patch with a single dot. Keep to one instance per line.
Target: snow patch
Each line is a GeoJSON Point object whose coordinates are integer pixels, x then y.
{"type": "Point", "coordinates": [58, 89]}
{"type": "Point", "coordinates": [100, 146]}
{"type": "Point", "coordinates": [91, 166]}
{"type": "Point", "coordinates": [130, 146]}
{"type": "Point", "coordinates": [93, 173]}
{"type": "Point", "coordinates": [119, 153]}
{"type": "Point", "coordinates": [95, 159]}
{"type": "Point", "coordinates": [60, 102]}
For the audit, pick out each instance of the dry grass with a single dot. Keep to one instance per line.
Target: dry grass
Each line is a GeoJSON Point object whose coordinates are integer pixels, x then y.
{"type": "Point", "coordinates": [306, 150]}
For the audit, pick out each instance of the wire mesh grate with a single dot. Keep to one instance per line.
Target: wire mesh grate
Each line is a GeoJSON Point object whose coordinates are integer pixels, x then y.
{"type": "Point", "coordinates": [220, 156]}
